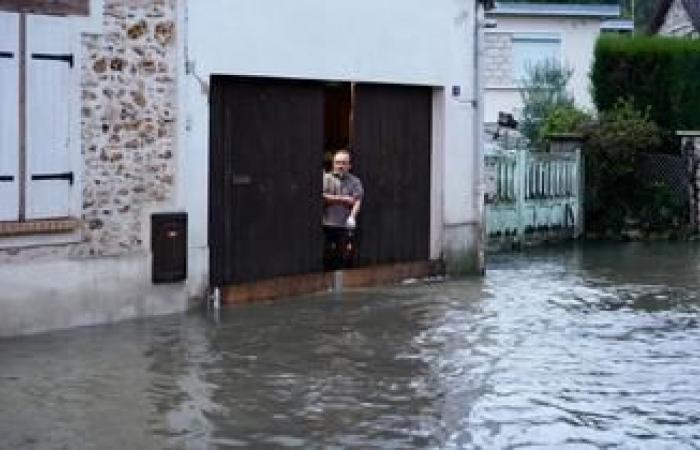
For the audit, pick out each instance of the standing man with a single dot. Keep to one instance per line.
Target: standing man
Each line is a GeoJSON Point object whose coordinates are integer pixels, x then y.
{"type": "Point", "coordinates": [342, 199]}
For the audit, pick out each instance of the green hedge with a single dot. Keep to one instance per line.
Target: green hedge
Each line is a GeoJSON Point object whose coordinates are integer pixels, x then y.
{"type": "Point", "coordinates": [659, 73]}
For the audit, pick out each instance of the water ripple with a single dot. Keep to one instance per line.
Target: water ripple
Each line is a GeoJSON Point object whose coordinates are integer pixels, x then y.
{"type": "Point", "coordinates": [584, 347]}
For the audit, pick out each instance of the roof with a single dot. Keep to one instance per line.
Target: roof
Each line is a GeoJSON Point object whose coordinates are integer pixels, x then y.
{"type": "Point", "coordinates": [555, 10]}
{"type": "Point", "coordinates": [617, 25]}
{"type": "Point", "coordinates": [692, 7]}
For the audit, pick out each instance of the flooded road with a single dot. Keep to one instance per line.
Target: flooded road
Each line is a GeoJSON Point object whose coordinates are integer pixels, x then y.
{"type": "Point", "coordinates": [572, 347]}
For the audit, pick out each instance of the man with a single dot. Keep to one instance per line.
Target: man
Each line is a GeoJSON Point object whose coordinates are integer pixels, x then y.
{"type": "Point", "coordinates": [342, 200]}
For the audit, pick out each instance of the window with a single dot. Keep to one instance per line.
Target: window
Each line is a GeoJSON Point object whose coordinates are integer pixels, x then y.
{"type": "Point", "coordinates": [530, 49]}
{"type": "Point", "coordinates": [36, 85]}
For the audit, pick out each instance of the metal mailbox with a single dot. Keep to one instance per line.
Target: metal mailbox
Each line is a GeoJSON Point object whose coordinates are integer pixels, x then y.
{"type": "Point", "coordinates": [169, 247]}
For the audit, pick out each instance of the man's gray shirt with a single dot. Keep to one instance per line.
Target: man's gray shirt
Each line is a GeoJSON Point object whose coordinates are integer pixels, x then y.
{"type": "Point", "coordinates": [334, 184]}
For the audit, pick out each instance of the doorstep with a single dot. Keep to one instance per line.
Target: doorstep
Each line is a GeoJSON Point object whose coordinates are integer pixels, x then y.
{"type": "Point", "coordinates": [294, 285]}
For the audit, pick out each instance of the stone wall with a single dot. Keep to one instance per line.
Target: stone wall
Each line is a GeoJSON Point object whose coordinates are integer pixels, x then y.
{"type": "Point", "coordinates": [677, 22]}
{"type": "Point", "coordinates": [498, 60]}
{"type": "Point", "coordinates": [128, 112]}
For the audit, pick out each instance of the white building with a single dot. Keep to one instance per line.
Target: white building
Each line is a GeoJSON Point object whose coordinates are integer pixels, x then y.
{"type": "Point", "coordinates": [117, 106]}
{"type": "Point", "coordinates": [528, 33]}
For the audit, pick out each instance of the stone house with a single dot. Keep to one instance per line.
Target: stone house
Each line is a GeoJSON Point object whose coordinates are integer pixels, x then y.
{"type": "Point", "coordinates": [528, 33]}
{"type": "Point", "coordinates": [677, 18]}
{"type": "Point", "coordinates": [126, 149]}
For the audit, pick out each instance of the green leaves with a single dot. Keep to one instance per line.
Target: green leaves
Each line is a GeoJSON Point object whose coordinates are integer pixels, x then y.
{"type": "Point", "coordinates": [542, 91]}
{"type": "Point", "coordinates": [658, 73]}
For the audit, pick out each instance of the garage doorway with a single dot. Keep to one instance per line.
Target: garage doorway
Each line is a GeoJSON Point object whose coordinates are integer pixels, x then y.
{"type": "Point", "coordinates": [270, 139]}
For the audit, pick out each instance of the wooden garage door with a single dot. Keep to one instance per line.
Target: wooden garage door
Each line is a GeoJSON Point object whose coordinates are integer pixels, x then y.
{"type": "Point", "coordinates": [391, 155]}
{"type": "Point", "coordinates": [266, 142]}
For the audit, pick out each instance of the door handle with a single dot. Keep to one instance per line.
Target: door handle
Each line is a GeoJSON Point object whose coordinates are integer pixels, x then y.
{"type": "Point", "coordinates": [7, 178]}
{"type": "Point", "coordinates": [241, 180]}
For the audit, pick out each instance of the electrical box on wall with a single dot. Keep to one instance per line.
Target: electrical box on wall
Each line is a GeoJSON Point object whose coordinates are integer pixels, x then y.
{"type": "Point", "coordinates": [169, 247]}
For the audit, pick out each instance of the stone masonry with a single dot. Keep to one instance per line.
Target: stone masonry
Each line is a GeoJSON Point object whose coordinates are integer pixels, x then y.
{"type": "Point", "coordinates": [498, 60]}
{"type": "Point", "coordinates": [128, 112]}
{"type": "Point", "coordinates": [127, 100]}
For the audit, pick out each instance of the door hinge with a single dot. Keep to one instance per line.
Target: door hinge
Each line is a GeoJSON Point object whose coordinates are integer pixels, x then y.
{"type": "Point", "coordinates": [54, 57]}
{"type": "Point", "coordinates": [68, 176]}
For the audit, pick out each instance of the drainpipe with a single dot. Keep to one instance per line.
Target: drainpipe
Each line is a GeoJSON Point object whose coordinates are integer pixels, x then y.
{"type": "Point", "coordinates": [477, 127]}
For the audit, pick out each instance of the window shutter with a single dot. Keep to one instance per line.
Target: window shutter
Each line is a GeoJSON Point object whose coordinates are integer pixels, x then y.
{"type": "Point", "coordinates": [49, 90]}
{"type": "Point", "coordinates": [9, 116]}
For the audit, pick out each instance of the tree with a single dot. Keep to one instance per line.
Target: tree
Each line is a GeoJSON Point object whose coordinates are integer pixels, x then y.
{"type": "Point", "coordinates": [543, 90]}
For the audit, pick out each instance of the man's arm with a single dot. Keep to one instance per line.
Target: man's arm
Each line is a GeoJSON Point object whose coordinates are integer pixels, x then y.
{"type": "Point", "coordinates": [339, 200]}
{"type": "Point", "coordinates": [357, 195]}
{"type": "Point", "coordinates": [333, 199]}
{"type": "Point", "coordinates": [356, 207]}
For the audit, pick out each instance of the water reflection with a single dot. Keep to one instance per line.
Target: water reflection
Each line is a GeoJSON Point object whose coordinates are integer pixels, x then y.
{"type": "Point", "coordinates": [583, 347]}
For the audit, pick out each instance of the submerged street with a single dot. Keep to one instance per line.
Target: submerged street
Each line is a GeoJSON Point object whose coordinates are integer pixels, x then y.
{"type": "Point", "coordinates": [596, 346]}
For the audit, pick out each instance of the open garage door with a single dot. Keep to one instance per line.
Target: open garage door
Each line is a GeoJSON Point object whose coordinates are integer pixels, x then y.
{"type": "Point", "coordinates": [391, 147]}
{"type": "Point", "coordinates": [265, 203]}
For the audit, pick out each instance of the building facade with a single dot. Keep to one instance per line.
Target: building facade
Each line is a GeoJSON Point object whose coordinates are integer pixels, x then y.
{"type": "Point", "coordinates": [111, 120]}
{"type": "Point", "coordinates": [527, 34]}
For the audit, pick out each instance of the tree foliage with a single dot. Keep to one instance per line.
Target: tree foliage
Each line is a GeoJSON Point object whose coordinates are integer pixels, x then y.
{"type": "Point", "coordinates": [564, 119]}
{"type": "Point", "coordinates": [657, 73]}
{"type": "Point", "coordinates": [543, 90]}
{"type": "Point", "coordinates": [614, 191]}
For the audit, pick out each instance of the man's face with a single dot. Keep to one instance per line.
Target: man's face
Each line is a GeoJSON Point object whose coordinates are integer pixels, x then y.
{"type": "Point", "coordinates": [341, 163]}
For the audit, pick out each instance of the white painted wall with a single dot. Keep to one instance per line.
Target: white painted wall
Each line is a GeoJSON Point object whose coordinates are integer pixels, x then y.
{"type": "Point", "coordinates": [578, 36]}
{"type": "Point", "coordinates": [76, 292]}
{"type": "Point", "coordinates": [391, 41]}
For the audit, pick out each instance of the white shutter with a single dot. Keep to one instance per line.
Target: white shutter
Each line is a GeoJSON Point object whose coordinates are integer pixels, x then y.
{"type": "Point", "coordinates": [9, 116]}
{"type": "Point", "coordinates": [49, 92]}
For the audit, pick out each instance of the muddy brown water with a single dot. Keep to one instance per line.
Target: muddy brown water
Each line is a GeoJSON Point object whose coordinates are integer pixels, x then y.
{"type": "Point", "coordinates": [577, 347]}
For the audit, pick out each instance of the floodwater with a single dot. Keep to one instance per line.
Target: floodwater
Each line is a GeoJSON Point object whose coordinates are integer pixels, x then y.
{"type": "Point", "coordinates": [570, 347]}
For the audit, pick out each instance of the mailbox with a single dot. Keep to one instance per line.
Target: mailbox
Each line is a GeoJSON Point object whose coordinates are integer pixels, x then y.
{"type": "Point", "coordinates": [169, 247]}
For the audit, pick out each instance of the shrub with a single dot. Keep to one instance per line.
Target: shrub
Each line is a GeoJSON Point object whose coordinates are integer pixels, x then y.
{"type": "Point", "coordinates": [658, 73]}
{"type": "Point", "coordinates": [564, 119]}
{"type": "Point", "coordinates": [613, 142]}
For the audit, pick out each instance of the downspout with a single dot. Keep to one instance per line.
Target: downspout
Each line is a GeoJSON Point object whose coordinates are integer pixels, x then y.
{"type": "Point", "coordinates": [477, 118]}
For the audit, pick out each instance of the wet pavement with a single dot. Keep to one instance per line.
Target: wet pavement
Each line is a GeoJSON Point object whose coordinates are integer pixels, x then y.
{"type": "Point", "coordinates": [593, 346]}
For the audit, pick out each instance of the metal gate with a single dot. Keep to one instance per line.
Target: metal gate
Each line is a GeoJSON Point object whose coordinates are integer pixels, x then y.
{"type": "Point", "coordinates": [266, 144]}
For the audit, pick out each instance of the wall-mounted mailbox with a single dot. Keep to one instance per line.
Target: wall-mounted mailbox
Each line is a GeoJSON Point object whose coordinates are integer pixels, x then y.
{"type": "Point", "coordinates": [169, 247]}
